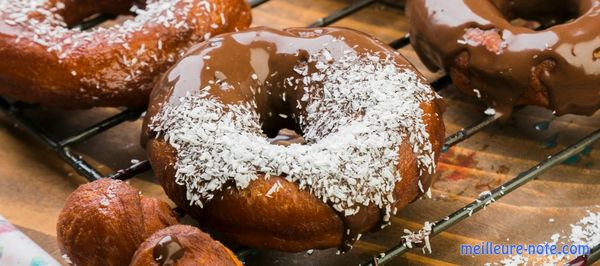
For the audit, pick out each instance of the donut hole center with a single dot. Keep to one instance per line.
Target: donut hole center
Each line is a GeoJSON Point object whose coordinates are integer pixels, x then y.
{"type": "Point", "coordinates": [281, 128]}
{"type": "Point", "coordinates": [279, 106]}
{"type": "Point", "coordinates": [286, 137]}
{"type": "Point", "coordinates": [538, 15]}
{"type": "Point", "coordinates": [282, 131]}
{"type": "Point", "coordinates": [100, 15]}
{"type": "Point", "coordinates": [94, 20]}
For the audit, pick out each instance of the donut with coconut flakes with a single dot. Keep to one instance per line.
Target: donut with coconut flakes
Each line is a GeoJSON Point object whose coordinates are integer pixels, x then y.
{"type": "Point", "coordinates": [369, 134]}
{"type": "Point", "coordinates": [45, 60]}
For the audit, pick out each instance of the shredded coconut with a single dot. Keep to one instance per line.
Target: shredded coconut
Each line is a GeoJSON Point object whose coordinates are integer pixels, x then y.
{"type": "Point", "coordinates": [584, 232]}
{"type": "Point", "coordinates": [49, 29]}
{"type": "Point", "coordinates": [66, 259]}
{"type": "Point", "coordinates": [587, 230]}
{"type": "Point", "coordinates": [421, 237]}
{"type": "Point", "coordinates": [356, 118]}
{"type": "Point", "coordinates": [273, 189]}
{"type": "Point", "coordinates": [40, 23]}
{"type": "Point", "coordinates": [490, 111]}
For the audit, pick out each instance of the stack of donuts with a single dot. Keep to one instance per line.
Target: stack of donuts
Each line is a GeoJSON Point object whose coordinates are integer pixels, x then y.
{"type": "Point", "coordinates": [291, 139]}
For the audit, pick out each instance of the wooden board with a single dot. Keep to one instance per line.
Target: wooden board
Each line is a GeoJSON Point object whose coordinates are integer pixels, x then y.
{"type": "Point", "coordinates": [34, 182]}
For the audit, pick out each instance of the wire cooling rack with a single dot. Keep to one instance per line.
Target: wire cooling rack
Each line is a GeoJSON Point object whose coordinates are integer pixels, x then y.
{"type": "Point", "coordinates": [62, 147]}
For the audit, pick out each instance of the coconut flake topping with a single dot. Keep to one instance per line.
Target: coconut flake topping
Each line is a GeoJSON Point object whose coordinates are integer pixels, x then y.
{"type": "Point", "coordinates": [40, 22]}
{"type": "Point", "coordinates": [48, 28]}
{"type": "Point", "coordinates": [363, 108]}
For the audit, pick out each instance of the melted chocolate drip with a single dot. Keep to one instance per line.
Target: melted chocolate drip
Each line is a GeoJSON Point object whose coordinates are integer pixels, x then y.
{"type": "Point", "coordinates": [504, 78]}
{"type": "Point", "coordinates": [168, 250]}
{"type": "Point", "coordinates": [353, 225]}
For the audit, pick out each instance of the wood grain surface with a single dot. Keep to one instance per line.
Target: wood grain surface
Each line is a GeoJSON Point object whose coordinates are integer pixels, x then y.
{"type": "Point", "coordinates": [34, 182]}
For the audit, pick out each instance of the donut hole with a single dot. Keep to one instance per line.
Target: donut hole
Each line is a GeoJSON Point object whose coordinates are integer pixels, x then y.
{"type": "Point", "coordinates": [76, 16]}
{"type": "Point", "coordinates": [539, 15]}
{"type": "Point", "coordinates": [275, 122]}
{"type": "Point", "coordinates": [280, 127]}
{"type": "Point", "coordinates": [537, 25]}
{"type": "Point", "coordinates": [280, 108]}
{"type": "Point", "coordinates": [97, 19]}
{"type": "Point", "coordinates": [531, 24]}
{"type": "Point", "coordinates": [286, 137]}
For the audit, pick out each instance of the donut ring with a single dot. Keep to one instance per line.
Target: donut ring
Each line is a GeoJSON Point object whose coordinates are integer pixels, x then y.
{"type": "Point", "coordinates": [44, 61]}
{"type": "Point", "coordinates": [508, 65]}
{"type": "Point", "coordinates": [372, 126]}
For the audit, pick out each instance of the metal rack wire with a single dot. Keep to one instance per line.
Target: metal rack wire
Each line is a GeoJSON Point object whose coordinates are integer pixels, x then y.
{"type": "Point", "coordinates": [62, 147]}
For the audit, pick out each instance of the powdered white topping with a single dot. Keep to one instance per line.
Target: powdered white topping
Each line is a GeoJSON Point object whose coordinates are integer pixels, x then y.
{"type": "Point", "coordinates": [357, 114]}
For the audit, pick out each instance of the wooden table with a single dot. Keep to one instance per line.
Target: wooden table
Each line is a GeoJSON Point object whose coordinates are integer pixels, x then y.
{"type": "Point", "coordinates": [34, 182]}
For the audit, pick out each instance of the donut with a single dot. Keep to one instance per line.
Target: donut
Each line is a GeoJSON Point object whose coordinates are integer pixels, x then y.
{"type": "Point", "coordinates": [549, 59]}
{"type": "Point", "coordinates": [371, 129]}
{"type": "Point", "coordinates": [104, 222]}
{"type": "Point", "coordinates": [182, 245]}
{"type": "Point", "coordinates": [45, 60]}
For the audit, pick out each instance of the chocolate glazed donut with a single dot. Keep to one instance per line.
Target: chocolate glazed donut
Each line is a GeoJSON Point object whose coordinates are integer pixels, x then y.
{"type": "Point", "coordinates": [45, 60]}
{"type": "Point", "coordinates": [267, 69]}
{"type": "Point", "coordinates": [555, 67]}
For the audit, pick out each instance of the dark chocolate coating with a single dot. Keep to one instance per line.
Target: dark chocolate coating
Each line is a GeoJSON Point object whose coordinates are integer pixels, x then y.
{"type": "Point", "coordinates": [555, 67]}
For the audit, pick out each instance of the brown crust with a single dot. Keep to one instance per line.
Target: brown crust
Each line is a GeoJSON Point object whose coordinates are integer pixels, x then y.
{"type": "Point", "coordinates": [248, 217]}
{"type": "Point", "coordinates": [459, 73]}
{"type": "Point", "coordinates": [103, 222]}
{"type": "Point", "coordinates": [93, 74]}
{"type": "Point", "coordinates": [535, 94]}
{"type": "Point", "coordinates": [199, 248]}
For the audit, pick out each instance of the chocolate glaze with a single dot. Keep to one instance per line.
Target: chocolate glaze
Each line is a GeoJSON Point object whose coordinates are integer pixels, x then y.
{"type": "Point", "coordinates": [267, 54]}
{"type": "Point", "coordinates": [353, 225]}
{"type": "Point", "coordinates": [255, 64]}
{"type": "Point", "coordinates": [562, 57]}
{"type": "Point", "coordinates": [168, 250]}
